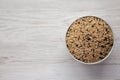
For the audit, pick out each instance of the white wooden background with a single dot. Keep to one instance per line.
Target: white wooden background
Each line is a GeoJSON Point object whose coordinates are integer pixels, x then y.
{"type": "Point", "coordinates": [32, 39]}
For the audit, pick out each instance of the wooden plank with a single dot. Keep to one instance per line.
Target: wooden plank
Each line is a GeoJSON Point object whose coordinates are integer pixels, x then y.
{"type": "Point", "coordinates": [32, 39]}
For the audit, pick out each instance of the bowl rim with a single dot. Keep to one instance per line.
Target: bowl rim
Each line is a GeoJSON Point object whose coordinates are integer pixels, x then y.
{"type": "Point", "coordinates": [101, 59]}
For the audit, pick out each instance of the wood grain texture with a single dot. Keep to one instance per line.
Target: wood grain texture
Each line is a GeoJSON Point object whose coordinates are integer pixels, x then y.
{"type": "Point", "coordinates": [32, 39]}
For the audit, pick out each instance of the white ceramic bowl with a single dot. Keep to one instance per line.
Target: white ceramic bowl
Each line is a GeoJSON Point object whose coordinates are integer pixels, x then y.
{"type": "Point", "coordinates": [101, 59]}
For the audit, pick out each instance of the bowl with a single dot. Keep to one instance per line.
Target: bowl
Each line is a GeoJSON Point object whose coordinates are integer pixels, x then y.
{"type": "Point", "coordinates": [90, 40]}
